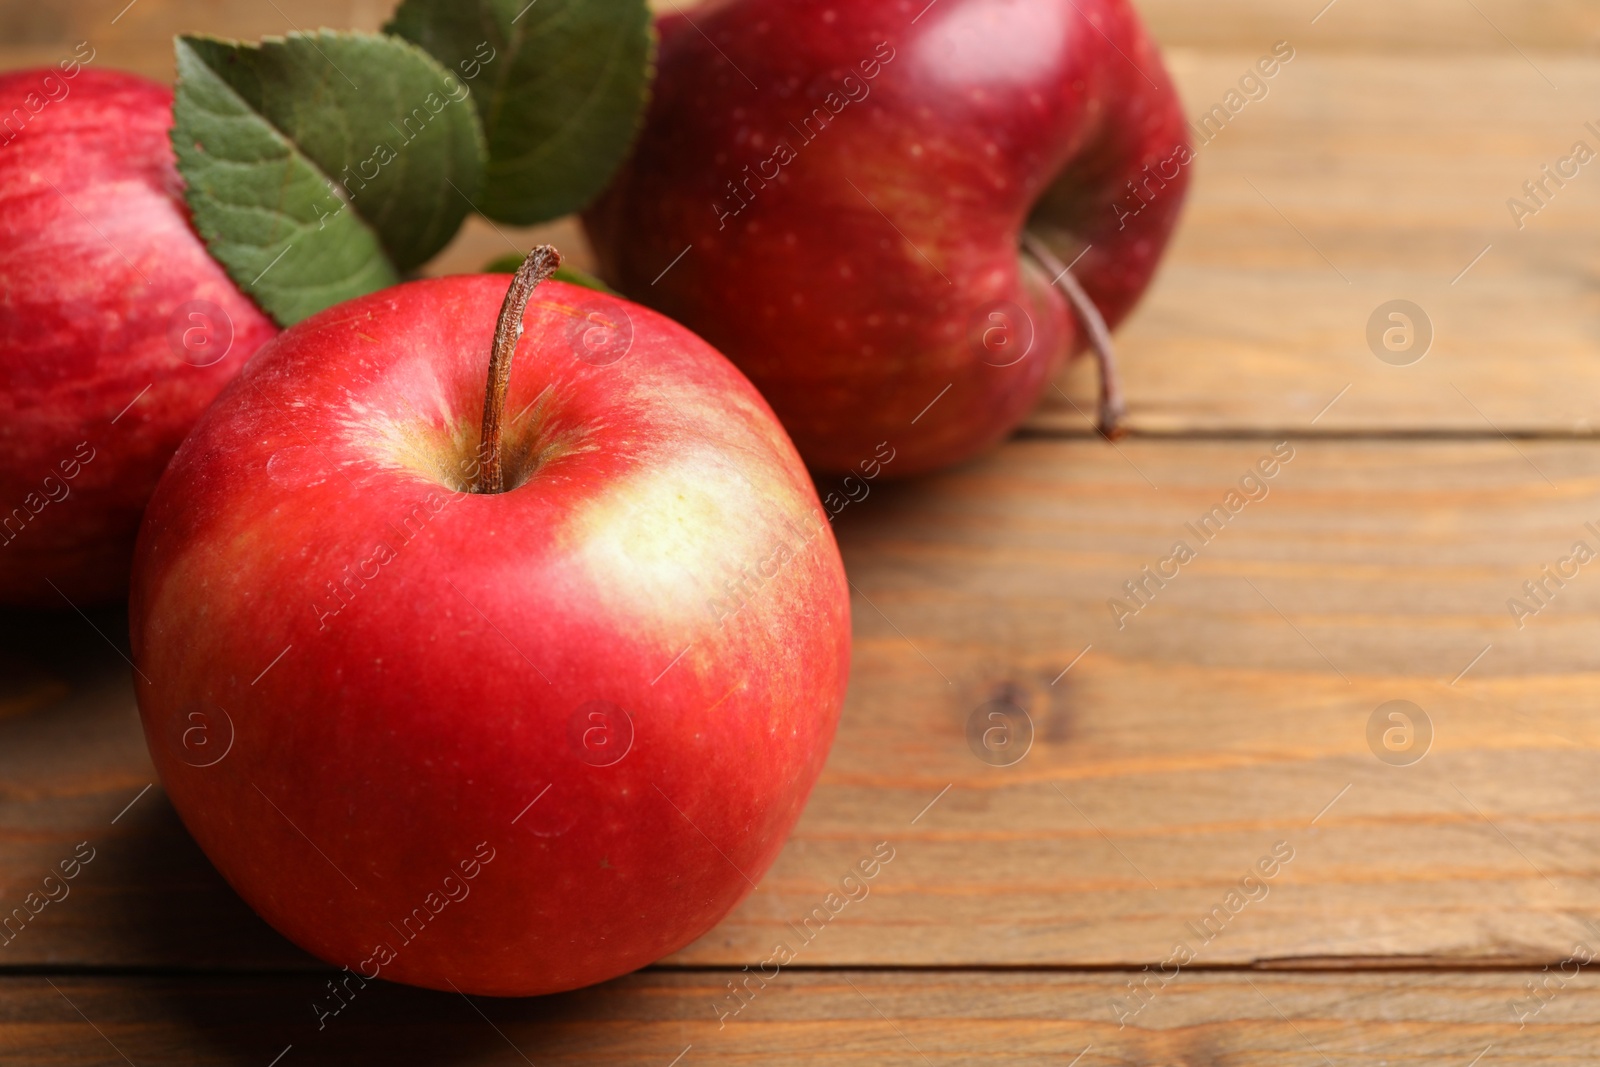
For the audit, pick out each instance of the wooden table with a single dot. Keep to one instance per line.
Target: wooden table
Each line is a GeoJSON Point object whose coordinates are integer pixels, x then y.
{"type": "Point", "coordinates": [1032, 912]}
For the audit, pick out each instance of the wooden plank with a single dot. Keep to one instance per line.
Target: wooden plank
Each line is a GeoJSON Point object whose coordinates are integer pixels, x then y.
{"type": "Point", "coordinates": [1307, 217]}
{"type": "Point", "coordinates": [916, 1020]}
{"type": "Point", "coordinates": [1359, 180]}
{"type": "Point", "coordinates": [138, 36]}
{"type": "Point", "coordinates": [1229, 714]}
{"type": "Point", "coordinates": [1408, 27]}
{"type": "Point", "coordinates": [1223, 718]}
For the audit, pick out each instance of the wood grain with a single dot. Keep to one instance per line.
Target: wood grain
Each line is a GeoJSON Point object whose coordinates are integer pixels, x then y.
{"type": "Point", "coordinates": [1306, 216]}
{"type": "Point", "coordinates": [1168, 757]}
{"type": "Point", "coordinates": [1364, 175]}
{"type": "Point", "coordinates": [897, 1019]}
{"type": "Point", "coordinates": [1358, 180]}
{"type": "Point", "coordinates": [1407, 28]}
{"type": "Point", "coordinates": [1222, 719]}
{"type": "Point", "coordinates": [138, 35]}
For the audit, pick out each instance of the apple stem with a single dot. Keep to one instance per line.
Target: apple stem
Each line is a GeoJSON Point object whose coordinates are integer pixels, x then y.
{"type": "Point", "coordinates": [540, 264]}
{"type": "Point", "coordinates": [1112, 405]}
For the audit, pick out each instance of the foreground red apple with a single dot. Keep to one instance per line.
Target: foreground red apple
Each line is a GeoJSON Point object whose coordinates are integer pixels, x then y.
{"type": "Point", "coordinates": [507, 742]}
{"type": "Point", "coordinates": [836, 196]}
{"type": "Point", "coordinates": [116, 328]}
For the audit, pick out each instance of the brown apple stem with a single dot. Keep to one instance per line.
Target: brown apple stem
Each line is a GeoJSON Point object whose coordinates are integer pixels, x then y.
{"type": "Point", "coordinates": [1112, 405]}
{"type": "Point", "coordinates": [540, 264]}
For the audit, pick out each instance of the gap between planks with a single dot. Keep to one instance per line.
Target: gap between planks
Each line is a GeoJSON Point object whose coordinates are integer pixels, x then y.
{"type": "Point", "coordinates": [1287, 966]}
{"type": "Point", "coordinates": [1301, 433]}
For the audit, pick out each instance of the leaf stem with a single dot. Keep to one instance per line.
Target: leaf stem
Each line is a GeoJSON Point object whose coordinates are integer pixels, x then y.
{"type": "Point", "coordinates": [540, 264]}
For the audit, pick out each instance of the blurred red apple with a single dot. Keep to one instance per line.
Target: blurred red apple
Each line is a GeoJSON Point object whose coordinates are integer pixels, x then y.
{"type": "Point", "coordinates": [835, 195]}
{"type": "Point", "coordinates": [508, 742]}
{"type": "Point", "coordinates": [116, 327]}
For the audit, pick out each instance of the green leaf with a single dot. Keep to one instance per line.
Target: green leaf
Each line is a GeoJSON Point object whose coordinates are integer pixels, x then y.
{"type": "Point", "coordinates": [322, 166]}
{"type": "Point", "coordinates": [508, 264]}
{"type": "Point", "coordinates": [561, 86]}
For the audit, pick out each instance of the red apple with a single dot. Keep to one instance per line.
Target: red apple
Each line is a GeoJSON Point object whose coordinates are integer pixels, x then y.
{"type": "Point", "coordinates": [848, 186]}
{"type": "Point", "coordinates": [116, 327]}
{"type": "Point", "coordinates": [511, 742]}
